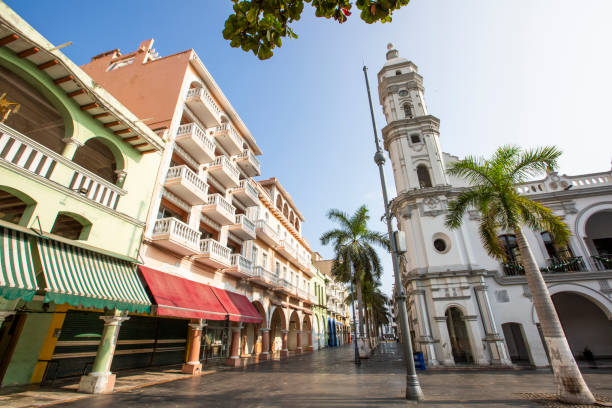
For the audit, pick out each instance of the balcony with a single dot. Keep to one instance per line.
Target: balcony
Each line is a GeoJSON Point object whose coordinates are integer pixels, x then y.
{"type": "Point", "coordinates": [214, 254]}
{"type": "Point", "coordinates": [196, 142]}
{"type": "Point", "coordinates": [264, 277]}
{"type": "Point", "coordinates": [561, 265]}
{"type": "Point", "coordinates": [249, 163]}
{"type": "Point", "coordinates": [204, 106]}
{"type": "Point", "coordinates": [224, 171]}
{"type": "Point", "coordinates": [285, 249]}
{"type": "Point", "coordinates": [228, 137]}
{"type": "Point", "coordinates": [266, 233]}
{"type": "Point", "coordinates": [304, 263]}
{"type": "Point", "coordinates": [602, 262]}
{"type": "Point", "coordinates": [219, 210]}
{"type": "Point", "coordinates": [17, 150]}
{"type": "Point", "coordinates": [240, 266]}
{"type": "Point", "coordinates": [176, 236]}
{"type": "Point", "coordinates": [247, 193]}
{"type": "Point", "coordinates": [304, 296]}
{"type": "Point", "coordinates": [243, 228]}
{"type": "Point", "coordinates": [284, 286]}
{"type": "Point", "coordinates": [186, 184]}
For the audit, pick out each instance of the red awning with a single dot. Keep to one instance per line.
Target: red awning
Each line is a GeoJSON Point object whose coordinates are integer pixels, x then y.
{"type": "Point", "coordinates": [238, 307]}
{"type": "Point", "coordinates": [179, 297]}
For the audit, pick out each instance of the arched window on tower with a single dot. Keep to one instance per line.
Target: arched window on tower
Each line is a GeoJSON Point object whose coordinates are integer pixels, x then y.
{"type": "Point", "coordinates": [423, 175]}
{"type": "Point", "coordinates": [408, 114]}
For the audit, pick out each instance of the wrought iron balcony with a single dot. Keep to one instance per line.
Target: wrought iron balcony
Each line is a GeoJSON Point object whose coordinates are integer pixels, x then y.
{"type": "Point", "coordinates": [561, 265]}
{"type": "Point", "coordinates": [602, 262]}
{"type": "Point", "coordinates": [176, 236]}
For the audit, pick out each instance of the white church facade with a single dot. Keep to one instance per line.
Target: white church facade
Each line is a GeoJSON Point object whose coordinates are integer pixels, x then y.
{"type": "Point", "coordinates": [464, 306]}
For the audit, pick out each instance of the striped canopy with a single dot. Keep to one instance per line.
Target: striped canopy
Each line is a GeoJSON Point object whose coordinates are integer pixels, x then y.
{"type": "Point", "coordinates": [84, 278]}
{"type": "Point", "coordinates": [17, 276]}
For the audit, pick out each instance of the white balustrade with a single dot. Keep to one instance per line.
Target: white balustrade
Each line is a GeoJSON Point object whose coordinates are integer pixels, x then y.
{"type": "Point", "coordinates": [176, 230]}
{"type": "Point", "coordinates": [242, 263]}
{"type": "Point", "coordinates": [264, 274]}
{"type": "Point", "coordinates": [233, 133]}
{"type": "Point", "coordinates": [217, 199]}
{"type": "Point", "coordinates": [25, 155]}
{"type": "Point", "coordinates": [215, 249]}
{"type": "Point", "coordinates": [187, 174]}
{"type": "Point", "coordinates": [227, 166]}
{"type": "Point", "coordinates": [248, 186]}
{"type": "Point", "coordinates": [195, 130]}
{"type": "Point", "coordinates": [205, 95]}
{"type": "Point", "coordinates": [267, 229]}
{"type": "Point", "coordinates": [245, 222]}
{"type": "Point", "coordinates": [247, 154]}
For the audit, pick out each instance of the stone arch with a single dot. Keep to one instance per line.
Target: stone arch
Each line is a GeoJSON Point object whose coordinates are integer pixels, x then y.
{"type": "Point", "coordinates": [40, 106]}
{"type": "Point", "coordinates": [595, 296]}
{"type": "Point", "coordinates": [278, 324]}
{"type": "Point", "coordinates": [279, 202]}
{"type": "Point", "coordinates": [17, 207]}
{"type": "Point", "coordinates": [262, 311]}
{"type": "Point", "coordinates": [101, 157]}
{"type": "Point", "coordinates": [71, 225]}
{"type": "Point", "coordinates": [517, 344]}
{"type": "Point", "coordinates": [459, 334]}
{"type": "Point", "coordinates": [587, 326]}
{"type": "Point", "coordinates": [285, 210]}
{"type": "Point", "coordinates": [408, 112]}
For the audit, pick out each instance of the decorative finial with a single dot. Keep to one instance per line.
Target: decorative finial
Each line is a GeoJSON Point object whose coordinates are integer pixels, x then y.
{"type": "Point", "coordinates": [391, 52]}
{"type": "Point", "coordinates": [390, 46]}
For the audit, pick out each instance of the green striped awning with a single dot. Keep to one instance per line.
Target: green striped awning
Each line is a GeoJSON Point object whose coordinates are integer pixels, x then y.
{"type": "Point", "coordinates": [88, 279]}
{"type": "Point", "coordinates": [17, 277]}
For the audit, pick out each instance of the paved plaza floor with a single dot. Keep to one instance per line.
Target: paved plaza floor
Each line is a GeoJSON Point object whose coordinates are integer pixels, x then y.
{"type": "Point", "coordinates": [329, 378]}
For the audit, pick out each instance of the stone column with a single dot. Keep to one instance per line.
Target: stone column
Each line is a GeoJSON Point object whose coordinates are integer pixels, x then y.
{"type": "Point", "coordinates": [298, 348]}
{"type": "Point", "coordinates": [284, 353]}
{"type": "Point", "coordinates": [234, 359]}
{"type": "Point", "coordinates": [427, 341]}
{"type": "Point", "coordinates": [446, 358]}
{"type": "Point", "coordinates": [495, 342]}
{"type": "Point", "coordinates": [101, 380]}
{"type": "Point", "coordinates": [71, 147]}
{"type": "Point", "coordinates": [309, 347]}
{"type": "Point", "coordinates": [193, 365]}
{"type": "Point", "coordinates": [265, 344]}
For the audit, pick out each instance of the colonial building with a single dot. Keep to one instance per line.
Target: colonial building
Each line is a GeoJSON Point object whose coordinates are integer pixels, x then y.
{"type": "Point", "coordinates": [75, 190]}
{"type": "Point", "coordinates": [466, 307]}
{"type": "Point", "coordinates": [222, 253]}
{"type": "Point", "coordinates": [338, 316]}
{"type": "Point", "coordinates": [319, 307]}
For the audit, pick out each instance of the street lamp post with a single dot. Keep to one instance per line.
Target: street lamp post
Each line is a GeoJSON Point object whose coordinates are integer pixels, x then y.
{"type": "Point", "coordinates": [413, 388]}
{"type": "Point", "coordinates": [355, 340]}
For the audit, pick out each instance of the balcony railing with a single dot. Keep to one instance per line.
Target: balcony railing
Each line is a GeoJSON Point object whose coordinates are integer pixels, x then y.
{"type": "Point", "coordinates": [602, 262]}
{"type": "Point", "coordinates": [247, 224]}
{"type": "Point", "coordinates": [182, 181]}
{"type": "Point", "coordinates": [249, 163]}
{"type": "Point", "coordinates": [23, 152]}
{"type": "Point", "coordinates": [569, 264]}
{"type": "Point", "coordinates": [243, 228]}
{"type": "Point", "coordinates": [219, 209]}
{"type": "Point", "coordinates": [196, 142]}
{"type": "Point", "coordinates": [513, 269]}
{"type": "Point", "coordinates": [217, 199]}
{"type": "Point", "coordinates": [225, 171]}
{"type": "Point", "coordinates": [205, 105]}
{"type": "Point", "coordinates": [241, 264]}
{"type": "Point", "coordinates": [265, 275]}
{"type": "Point", "coordinates": [266, 232]}
{"type": "Point", "coordinates": [567, 182]}
{"type": "Point", "coordinates": [247, 193]}
{"type": "Point", "coordinates": [215, 251]}
{"type": "Point", "coordinates": [176, 235]}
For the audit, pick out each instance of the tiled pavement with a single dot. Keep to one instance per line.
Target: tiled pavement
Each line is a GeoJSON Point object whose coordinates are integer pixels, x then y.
{"type": "Point", "coordinates": [329, 379]}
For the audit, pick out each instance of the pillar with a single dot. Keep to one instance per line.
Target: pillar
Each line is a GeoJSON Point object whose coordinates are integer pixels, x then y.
{"type": "Point", "coordinates": [101, 380]}
{"type": "Point", "coordinates": [71, 147]}
{"type": "Point", "coordinates": [193, 365]}
{"type": "Point", "coordinates": [495, 343]}
{"type": "Point", "coordinates": [234, 359]}
{"type": "Point", "coordinates": [265, 344]}
{"type": "Point", "coordinates": [298, 348]}
{"type": "Point", "coordinates": [446, 356]}
{"type": "Point", "coordinates": [284, 353]}
{"type": "Point", "coordinates": [309, 346]}
{"type": "Point", "coordinates": [427, 341]}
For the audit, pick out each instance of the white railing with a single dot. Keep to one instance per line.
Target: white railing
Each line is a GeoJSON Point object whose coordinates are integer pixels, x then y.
{"type": "Point", "coordinates": [187, 174]}
{"type": "Point", "coordinates": [192, 128]}
{"type": "Point", "coordinates": [565, 183]}
{"type": "Point", "coordinates": [176, 230]}
{"type": "Point", "coordinates": [233, 133]}
{"type": "Point", "coordinates": [266, 229]}
{"type": "Point", "coordinates": [32, 156]}
{"type": "Point", "coordinates": [286, 245]}
{"type": "Point", "coordinates": [203, 93]}
{"type": "Point", "coordinates": [242, 263]}
{"type": "Point", "coordinates": [247, 154]}
{"type": "Point", "coordinates": [304, 260]}
{"type": "Point", "coordinates": [217, 199]}
{"type": "Point", "coordinates": [286, 284]}
{"type": "Point", "coordinates": [249, 187]}
{"type": "Point", "coordinates": [215, 249]}
{"type": "Point", "coordinates": [245, 222]}
{"type": "Point", "coordinates": [227, 166]}
{"type": "Point", "coordinates": [264, 274]}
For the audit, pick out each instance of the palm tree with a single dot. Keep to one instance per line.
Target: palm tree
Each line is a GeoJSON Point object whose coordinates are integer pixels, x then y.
{"type": "Point", "coordinates": [353, 245]}
{"type": "Point", "coordinates": [493, 193]}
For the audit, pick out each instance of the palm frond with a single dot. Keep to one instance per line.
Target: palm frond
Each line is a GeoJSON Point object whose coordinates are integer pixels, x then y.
{"type": "Point", "coordinates": [536, 161]}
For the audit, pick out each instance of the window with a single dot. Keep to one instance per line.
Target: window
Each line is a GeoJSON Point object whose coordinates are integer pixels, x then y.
{"type": "Point", "coordinates": [264, 260]}
{"type": "Point", "coordinates": [398, 72]}
{"type": "Point", "coordinates": [408, 114]}
{"type": "Point", "coordinates": [285, 272]}
{"type": "Point", "coordinates": [555, 251]}
{"type": "Point", "coordinates": [511, 247]}
{"type": "Point", "coordinates": [15, 209]}
{"type": "Point", "coordinates": [440, 245]}
{"type": "Point", "coordinates": [403, 92]}
{"type": "Point", "coordinates": [423, 175]}
{"type": "Point", "coordinates": [165, 212]}
{"type": "Point", "coordinates": [415, 138]}
{"type": "Point", "coordinates": [277, 270]}
{"type": "Point", "coordinates": [254, 255]}
{"type": "Point", "coordinates": [68, 226]}
{"type": "Point", "coordinates": [98, 158]}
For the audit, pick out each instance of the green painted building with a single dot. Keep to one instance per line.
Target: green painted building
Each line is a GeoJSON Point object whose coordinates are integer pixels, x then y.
{"type": "Point", "coordinates": [319, 307]}
{"type": "Point", "coordinates": [77, 173]}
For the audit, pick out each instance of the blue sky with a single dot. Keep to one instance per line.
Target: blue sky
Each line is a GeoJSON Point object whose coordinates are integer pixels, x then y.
{"type": "Point", "coordinates": [530, 72]}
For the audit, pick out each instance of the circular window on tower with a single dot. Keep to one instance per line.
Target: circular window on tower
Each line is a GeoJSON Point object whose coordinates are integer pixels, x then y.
{"type": "Point", "coordinates": [441, 243]}
{"type": "Point", "coordinates": [403, 92]}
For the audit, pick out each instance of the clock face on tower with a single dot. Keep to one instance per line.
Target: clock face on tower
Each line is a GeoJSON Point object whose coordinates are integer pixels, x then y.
{"type": "Point", "coordinates": [403, 92]}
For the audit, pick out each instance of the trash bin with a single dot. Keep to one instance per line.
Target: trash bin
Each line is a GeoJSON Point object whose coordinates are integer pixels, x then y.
{"type": "Point", "coordinates": [419, 360]}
